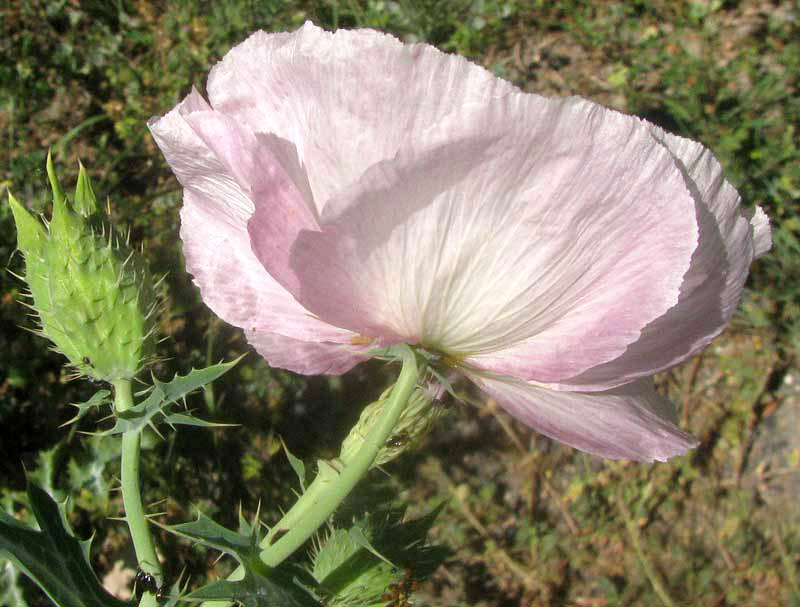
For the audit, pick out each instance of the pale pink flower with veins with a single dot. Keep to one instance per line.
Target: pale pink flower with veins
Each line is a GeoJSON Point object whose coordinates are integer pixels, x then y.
{"type": "Point", "coordinates": [344, 191]}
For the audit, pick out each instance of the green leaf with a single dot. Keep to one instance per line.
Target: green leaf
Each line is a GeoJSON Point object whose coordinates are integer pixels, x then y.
{"type": "Point", "coordinates": [284, 586]}
{"type": "Point", "coordinates": [88, 480]}
{"type": "Point", "coordinates": [180, 386]}
{"type": "Point", "coordinates": [165, 394]}
{"type": "Point", "coordinates": [85, 201]}
{"type": "Point", "coordinates": [52, 557]}
{"type": "Point", "coordinates": [10, 588]}
{"type": "Point", "coordinates": [47, 462]}
{"type": "Point", "coordinates": [174, 596]}
{"type": "Point", "coordinates": [100, 398]}
{"type": "Point", "coordinates": [187, 419]}
{"type": "Point", "coordinates": [209, 533]}
{"type": "Point", "coordinates": [279, 587]}
{"type": "Point", "coordinates": [348, 573]}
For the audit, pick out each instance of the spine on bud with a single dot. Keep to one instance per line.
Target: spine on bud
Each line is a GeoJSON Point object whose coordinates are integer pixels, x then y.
{"type": "Point", "coordinates": [94, 296]}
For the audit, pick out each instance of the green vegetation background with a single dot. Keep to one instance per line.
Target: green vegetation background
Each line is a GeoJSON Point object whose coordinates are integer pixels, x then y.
{"type": "Point", "coordinates": [530, 522]}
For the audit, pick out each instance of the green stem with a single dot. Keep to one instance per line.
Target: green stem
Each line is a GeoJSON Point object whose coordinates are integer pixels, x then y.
{"type": "Point", "coordinates": [132, 497]}
{"type": "Point", "coordinates": [314, 491]}
{"type": "Point", "coordinates": [337, 490]}
{"type": "Point", "coordinates": [324, 495]}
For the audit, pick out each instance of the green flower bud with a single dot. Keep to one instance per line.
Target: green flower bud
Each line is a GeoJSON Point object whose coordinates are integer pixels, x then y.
{"type": "Point", "coordinates": [94, 296]}
{"type": "Point", "coordinates": [416, 420]}
{"type": "Point", "coordinates": [351, 576]}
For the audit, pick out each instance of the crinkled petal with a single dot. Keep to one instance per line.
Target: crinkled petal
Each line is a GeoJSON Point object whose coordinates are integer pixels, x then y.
{"type": "Point", "coordinates": [730, 239]}
{"type": "Point", "coordinates": [268, 171]}
{"type": "Point", "coordinates": [529, 236]}
{"type": "Point", "coordinates": [232, 281]}
{"type": "Point", "coordinates": [346, 99]}
{"type": "Point", "coordinates": [306, 357]}
{"type": "Point", "coordinates": [628, 422]}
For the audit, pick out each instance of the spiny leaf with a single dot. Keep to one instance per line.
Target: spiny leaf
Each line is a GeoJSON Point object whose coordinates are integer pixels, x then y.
{"type": "Point", "coordinates": [187, 419]}
{"type": "Point", "coordinates": [165, 394]}
{"type": "Point", "coordinates": [281, 587]}
{"type": "Point", "coordinates": [52, 557]}
{"type": "Point", "coordinates": [182, 385]}
{"type": "Point", "coordinates": [100, 398]}
{"type": "Point", "coordinates": [209, 533]}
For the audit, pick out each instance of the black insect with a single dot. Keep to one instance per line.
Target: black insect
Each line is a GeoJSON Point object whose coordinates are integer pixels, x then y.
{"type": "Point", "coordinates": [399, 440]}
{"type": "Point", "coordinates": [145, 582]}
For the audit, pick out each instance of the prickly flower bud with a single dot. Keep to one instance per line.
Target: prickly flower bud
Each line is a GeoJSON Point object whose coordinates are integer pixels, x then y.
{"type": "Point", "coordinates": [416, 420]}
{"type": "Point", "coordinates": [93, 295]}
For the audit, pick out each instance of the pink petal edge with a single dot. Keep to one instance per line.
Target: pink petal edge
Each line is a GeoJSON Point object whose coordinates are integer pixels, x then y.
{"type": "Point", "coordinates": [730, 239]}
{"type": "Point", "coordinates": [346, 99]}
{"type": "Point", "coordinates": [232, 281]}
{"type": "Point", "coordinates": [630, 422]}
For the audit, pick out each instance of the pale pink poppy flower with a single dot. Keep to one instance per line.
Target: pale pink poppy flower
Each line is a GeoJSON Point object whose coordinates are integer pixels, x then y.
{"type": "Point", "coordinates": [345, 191]}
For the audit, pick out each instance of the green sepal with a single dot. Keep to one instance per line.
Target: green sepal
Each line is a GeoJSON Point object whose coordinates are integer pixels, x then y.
{"type": "Point", "coordinates": [85, 201]}
{"type": "Point", "coordinates": [52, 557]}
{"type": "Point", "coordinates": [55, 185]}
{"type": "Point", "coordinates": [165, 394]}
{"type": "Point", "coordinates": [31, 235]}
{"type": "Point", "coordinates": [63, 224]}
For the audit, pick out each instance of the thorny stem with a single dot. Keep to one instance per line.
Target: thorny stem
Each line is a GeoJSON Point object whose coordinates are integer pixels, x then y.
{"type": "Point", "coordinates": [132, 497]}
{"type": "Point", "coordinates": [324, 495]}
